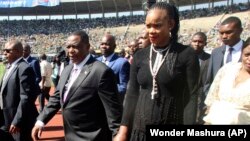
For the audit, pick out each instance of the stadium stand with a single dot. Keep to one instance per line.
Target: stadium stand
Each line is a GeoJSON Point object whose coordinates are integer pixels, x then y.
{"type": "Point", "coordinates": [47, 35]}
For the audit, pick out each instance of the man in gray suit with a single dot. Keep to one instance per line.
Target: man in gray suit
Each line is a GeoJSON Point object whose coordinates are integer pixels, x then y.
{"type": "Point", "coordinates": [229, 31]}
{"type": "Point", "coordinates": [87, 94]}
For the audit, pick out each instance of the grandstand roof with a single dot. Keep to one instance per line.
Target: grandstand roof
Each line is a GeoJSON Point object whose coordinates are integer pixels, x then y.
{"type": "Point", "coordinates": [68, 7]}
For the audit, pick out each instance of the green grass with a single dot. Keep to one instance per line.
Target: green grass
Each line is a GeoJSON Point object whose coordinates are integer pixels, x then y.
{"type": "Point", "coordinates": [1, 69]}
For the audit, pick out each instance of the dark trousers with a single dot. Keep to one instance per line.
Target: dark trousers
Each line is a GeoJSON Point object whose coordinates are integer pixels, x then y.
{"type": "Point", "coordinates": [5, 136]}
{"type": "Point", "coordinates": [24, 135]}
{"type": "Point", "coordinates": [44, 94]}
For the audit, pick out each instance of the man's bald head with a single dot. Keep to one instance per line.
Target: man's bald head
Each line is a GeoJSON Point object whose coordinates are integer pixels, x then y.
{"type": "Point", "coordinates": [108, 45]}
{"type": "Point", "coordinates": [26, 50]}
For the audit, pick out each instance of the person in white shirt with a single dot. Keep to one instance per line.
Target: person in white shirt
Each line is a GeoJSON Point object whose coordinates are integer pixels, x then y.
{"type": "Point", "coordinates": [56, 70]}
{"type": "Point", "coordinates": [229, 31]}
{"type": "Point", "coordinates": [45, 84]}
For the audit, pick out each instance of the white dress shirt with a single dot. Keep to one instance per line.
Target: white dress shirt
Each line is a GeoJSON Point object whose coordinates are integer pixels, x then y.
{"type": "Point", "coordinates": [106, 60]}
{"type": "Point", "coordinates": [236, 53]}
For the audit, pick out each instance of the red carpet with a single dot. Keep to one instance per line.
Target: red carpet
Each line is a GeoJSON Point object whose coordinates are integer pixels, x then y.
{"type": "Point", "coordinates": [53, 131]}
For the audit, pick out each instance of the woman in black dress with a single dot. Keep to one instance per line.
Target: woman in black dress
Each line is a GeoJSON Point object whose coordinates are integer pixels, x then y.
{"type": "Point", "coordinates": [163, 77]}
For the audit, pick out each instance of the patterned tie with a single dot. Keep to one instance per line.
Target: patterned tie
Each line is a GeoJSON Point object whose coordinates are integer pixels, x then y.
{"type": "Point", "coordinates": [229, 55]}
{"type": "Point", "coordinates": [73, 77]}
{"type": "Point", "coordinates": [3, 83]}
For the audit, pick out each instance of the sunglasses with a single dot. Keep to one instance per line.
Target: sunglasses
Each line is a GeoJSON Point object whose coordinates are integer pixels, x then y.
{"type": "Point", "coordinates": [7, 50]}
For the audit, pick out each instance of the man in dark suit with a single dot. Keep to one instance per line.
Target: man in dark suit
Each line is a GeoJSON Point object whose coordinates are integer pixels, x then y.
{"type": "Point", "coordinates": [17, 97]}
{"type": "Point", "coordinates": [198, 42]}
{"type": "Point", "coordinates": [119, 65]}
{"type": "Point", "coordinates": [143, 39]}
{"type": "Point", "coordinates": [87, 94]}
{"type": "Point", "coordinates": [32, 61]}
{"type": "Point", "coordinates": [229, 31]}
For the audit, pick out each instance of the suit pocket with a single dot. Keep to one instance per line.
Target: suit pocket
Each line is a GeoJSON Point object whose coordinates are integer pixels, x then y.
{"type": "Point", "coordinates": [88, 84]}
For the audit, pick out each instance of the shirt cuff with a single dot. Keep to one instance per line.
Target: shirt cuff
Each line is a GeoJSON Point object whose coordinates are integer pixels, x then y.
{"type": "Point", "coordinates": [39, 123]}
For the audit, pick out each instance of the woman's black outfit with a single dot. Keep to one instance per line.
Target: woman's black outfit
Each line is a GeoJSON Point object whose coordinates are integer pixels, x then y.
{"type": "Point", "coordinates": [176, 79]}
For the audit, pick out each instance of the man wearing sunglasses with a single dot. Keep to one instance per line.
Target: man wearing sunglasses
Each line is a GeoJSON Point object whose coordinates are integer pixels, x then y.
{"type": "Point", "coordinates": [17, 96]}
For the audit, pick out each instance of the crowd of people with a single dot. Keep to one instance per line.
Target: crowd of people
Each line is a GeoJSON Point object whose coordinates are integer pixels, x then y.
{"type": "Point", "coordinates": [46, 35]}
{"type": "Point", "coordinates": [160, 81]}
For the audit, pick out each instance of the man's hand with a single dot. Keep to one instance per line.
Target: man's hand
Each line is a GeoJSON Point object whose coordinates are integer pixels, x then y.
{"type": "Point", "coordinates": [13, 129]}
{"type": "Point", "coordinates": [36, 132]}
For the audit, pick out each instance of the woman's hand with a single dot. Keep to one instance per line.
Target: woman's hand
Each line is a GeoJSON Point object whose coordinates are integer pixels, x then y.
{"type": "Point", "coordinates": [122, 134]}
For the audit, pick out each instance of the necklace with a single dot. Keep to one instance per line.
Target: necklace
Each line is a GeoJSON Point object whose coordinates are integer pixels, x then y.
{"type": "Point", "coordinates": [159, 50]}
{"type": "Point", "coordinates": [155, 71]}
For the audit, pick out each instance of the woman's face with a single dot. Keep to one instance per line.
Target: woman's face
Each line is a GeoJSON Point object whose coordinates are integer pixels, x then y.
{"type": "Point", "coordinates": [158, 26]}
{"type": "Point", "coordinates": [246, 58]}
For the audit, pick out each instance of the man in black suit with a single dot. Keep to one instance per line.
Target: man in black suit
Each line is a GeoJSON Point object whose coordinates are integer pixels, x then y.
{"type": "Point", "coordinates": [87, 94]}
{"type": "Point", "coordinates": [32, 61]}
{"type": "Point", "coordinates": [198, 42]}
{"type": "Point", "coordinates": [17, 97]}
{"type": "Point", "coordinates": [229, 31]}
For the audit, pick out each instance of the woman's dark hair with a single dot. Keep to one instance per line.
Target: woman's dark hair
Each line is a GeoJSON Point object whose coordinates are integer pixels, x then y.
{"type": "Point", "coordinates": [246, 43]}
{"type": "Point", "coordinates": [173, 13]}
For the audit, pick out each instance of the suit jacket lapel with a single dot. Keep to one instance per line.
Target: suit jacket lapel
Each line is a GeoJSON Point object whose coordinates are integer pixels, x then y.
{"type": "Point", "coordinates": [82, 76]}
{"type": "Point", "coordinates": [64, 80]}
{"type": "Point", "coordinates": [203, 58]}
{"type": "Point", "coordinates": [112, 60]}
{"type": "Point", "coordinates": [10, 73]}
{"type": "Point", "coordinates": [202, 66]}
{"type": "Point", "coordinates": [29, 59]}
{"type": "Point", "coordinates": [220, 57]}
